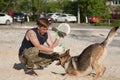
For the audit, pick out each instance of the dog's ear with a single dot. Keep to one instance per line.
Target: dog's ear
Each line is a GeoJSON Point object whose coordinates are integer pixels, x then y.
{"type": "Point", "coordinates": [66, 53]}
{"type": "Point", "coordinates": [63, 57]}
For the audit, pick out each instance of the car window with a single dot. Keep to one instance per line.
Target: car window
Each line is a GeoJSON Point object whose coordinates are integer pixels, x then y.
{"type": "Point", "coordinates": [62, 15]}
{"type": "Point", "coordinates": [18, 14]}
{"type": "Point", "coordinates": [70, 15]}
{"type": "Point", "coordinates": [57, 14]}
{"type": "Point", "coordinates": [49, 15]}
{"type": "Point", "coordinates": [2, 14]}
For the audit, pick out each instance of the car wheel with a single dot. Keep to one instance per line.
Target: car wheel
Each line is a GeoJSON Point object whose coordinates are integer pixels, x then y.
{"type": "Point", "coordinates": [56, 21]}
{"type": "Point", "coordinates": [8, 22]}
{"type": "Point", "coordinates": [66, 20]}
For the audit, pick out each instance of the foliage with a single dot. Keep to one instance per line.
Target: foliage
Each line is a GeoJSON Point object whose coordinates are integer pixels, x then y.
{"type": "Point", "coordinates": [93, 8]}
{"type": "Point", "coordinates": [116, 23]}
{"type": "Point", "coordinates": [106, 23]}
{"type": "Point", "coordinates": [54, 8]}
{"type": "Point", "coordinates": [4, 5]}
{"type": "Point", "coordinates": [69, 8]}
{"type": "Point", "coordinates": [101, 24]}
{"type": "Point", "coordinates": [87, 7]}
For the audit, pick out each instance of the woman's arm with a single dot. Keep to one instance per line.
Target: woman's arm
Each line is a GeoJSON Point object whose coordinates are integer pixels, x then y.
{"type": "Point", "coordinates": [50, 42]}
{"type": "Point", "coordinates": [31, 36]}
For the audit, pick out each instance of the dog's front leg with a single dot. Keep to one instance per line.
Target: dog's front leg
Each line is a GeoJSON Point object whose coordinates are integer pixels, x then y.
{"type": "Point", "coordinates": [96, 66]}
{"type": "Point", "coordinates": [67, 76]}
{"type": "Point", "coordinates": [71, 75]}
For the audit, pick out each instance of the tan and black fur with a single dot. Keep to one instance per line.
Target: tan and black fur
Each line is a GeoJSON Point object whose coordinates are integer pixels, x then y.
{"type": "Point", "coordinates": [91, 58]}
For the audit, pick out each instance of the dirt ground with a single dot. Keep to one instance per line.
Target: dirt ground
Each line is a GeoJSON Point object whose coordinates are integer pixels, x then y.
{"type": "Point", "coordinates": [77, 40]}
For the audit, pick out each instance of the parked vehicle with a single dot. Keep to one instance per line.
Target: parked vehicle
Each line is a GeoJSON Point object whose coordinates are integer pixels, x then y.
{"type": "Point", "coordinates": [94, 19]}
{"type": "Point", "coordinates": [53, 16]}
{"type": "Point", "coordinates": [18, 17]}
{"type": "Point", "coordinates": [5, 19]}
{"type": "Point", "coordinates": [66, 18]}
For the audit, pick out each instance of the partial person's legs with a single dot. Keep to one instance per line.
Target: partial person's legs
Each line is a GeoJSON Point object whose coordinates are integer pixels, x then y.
{"type": "Point", "coordinates": [30, 55]}
{"type": "Point", "coordinates": [34, 56]}
{"type": "Point", "coordinates": [22, 59]}
{"type": "Point", "coordinates": [46, 58]}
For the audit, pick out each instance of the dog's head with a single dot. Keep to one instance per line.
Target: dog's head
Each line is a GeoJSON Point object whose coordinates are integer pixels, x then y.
{"type": "Point", "coordinates": [64, 58]}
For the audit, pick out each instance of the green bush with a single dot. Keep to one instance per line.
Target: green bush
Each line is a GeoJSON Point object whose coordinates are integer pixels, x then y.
{"type": "Point", "coordinates": [101, 24]}
{"type": "Point", "coordinates": [115, 23]}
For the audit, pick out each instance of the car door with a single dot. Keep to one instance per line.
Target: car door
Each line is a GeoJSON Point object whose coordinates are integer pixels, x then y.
{"type": "Point", "coordinates": [2, 18]}
{"type": "Point", "coordinates": [63, 17]}
{"type": "Point", "coordinates": [56, 16]}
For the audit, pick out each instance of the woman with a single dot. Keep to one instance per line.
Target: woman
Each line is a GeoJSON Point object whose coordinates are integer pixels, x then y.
{"type": "Point", "coordinates": [33, 50]}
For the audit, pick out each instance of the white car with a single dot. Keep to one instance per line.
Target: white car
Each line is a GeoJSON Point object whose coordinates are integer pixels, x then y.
{"type": "Point", "coordinates": [5, 19]}
{"type": "Point", "coordinates": [66, 18]}
{"type": "Point", "coordinates": [53, 16]}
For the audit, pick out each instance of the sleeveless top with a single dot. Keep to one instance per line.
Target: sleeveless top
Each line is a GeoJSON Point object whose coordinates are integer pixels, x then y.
{"type": "Point", "coordinates": [27, 44]}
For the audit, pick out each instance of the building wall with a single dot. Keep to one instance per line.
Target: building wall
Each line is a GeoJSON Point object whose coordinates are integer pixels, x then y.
{"type": "Point", "coordinates": [114, 9]}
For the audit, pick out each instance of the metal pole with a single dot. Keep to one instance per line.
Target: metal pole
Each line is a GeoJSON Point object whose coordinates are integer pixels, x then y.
{"type": "Point", "coordinates": [78, 14]}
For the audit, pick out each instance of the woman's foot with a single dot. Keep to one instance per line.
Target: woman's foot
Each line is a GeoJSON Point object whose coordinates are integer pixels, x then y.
{"type": "Point", "coordinates": [30, 72]}
{"type": "Point", "coordinates": [36, 67]}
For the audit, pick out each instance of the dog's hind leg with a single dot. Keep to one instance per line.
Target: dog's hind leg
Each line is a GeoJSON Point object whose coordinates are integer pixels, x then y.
{"type": "Point", "coordinates": [96, 67]}
{"type": "Point", "coordinates": [103, 69]}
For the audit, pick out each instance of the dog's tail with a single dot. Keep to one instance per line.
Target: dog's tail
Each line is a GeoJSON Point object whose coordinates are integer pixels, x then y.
{"type": "Point", "coordinates": [110, 36]}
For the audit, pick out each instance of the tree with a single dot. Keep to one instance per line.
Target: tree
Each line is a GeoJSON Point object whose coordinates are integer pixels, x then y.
{"type": "Point", "coordinates": [53, 8]}
{"type": "Point", "coordinates": [93, 8]}
{"type": "Point", "coordinates": [70, 7]}
{"type": "Point", "coordinates": [4, 4]}
{"type": "Point", "coordinates": [57, 6]}
{"type": "Point", "coordinates": [87, 8]}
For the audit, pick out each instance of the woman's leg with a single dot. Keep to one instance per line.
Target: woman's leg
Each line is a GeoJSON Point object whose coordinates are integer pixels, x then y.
{"type": "Point", "coordinates": [30, 54]}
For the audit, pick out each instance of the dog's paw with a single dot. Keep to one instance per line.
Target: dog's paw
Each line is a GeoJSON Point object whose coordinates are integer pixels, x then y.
{"type": "Point", "coordinates": [92, 74]}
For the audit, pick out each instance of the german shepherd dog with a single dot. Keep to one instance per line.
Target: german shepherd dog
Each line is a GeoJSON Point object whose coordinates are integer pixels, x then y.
{"type": "Point", "coordinates": [90, 59]}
